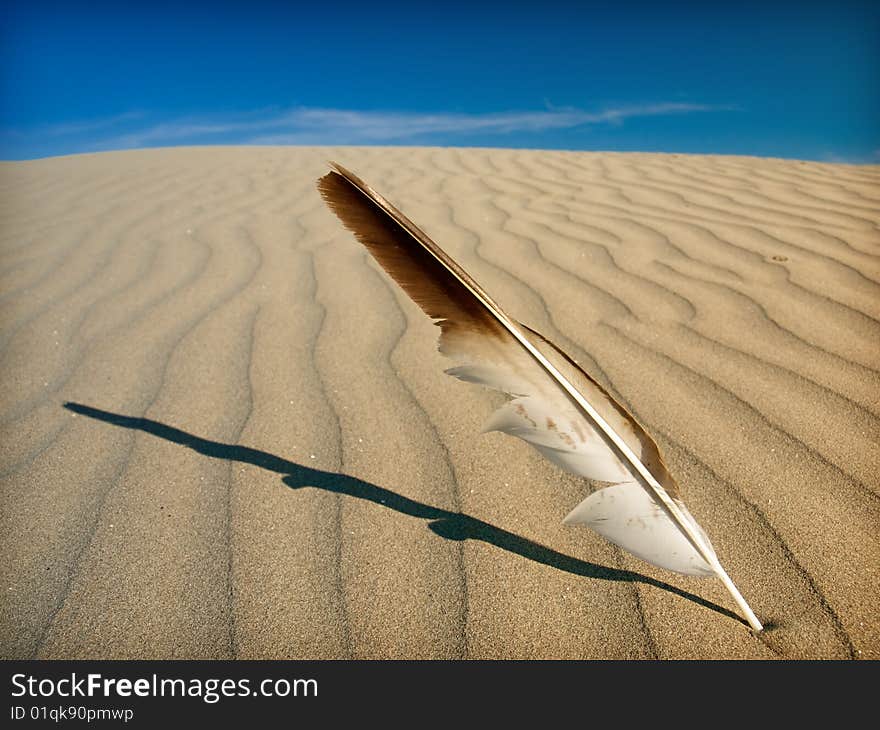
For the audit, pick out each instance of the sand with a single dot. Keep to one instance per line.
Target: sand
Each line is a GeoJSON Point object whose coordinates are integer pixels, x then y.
{"type": "Point", "coordinates": [226, 433]}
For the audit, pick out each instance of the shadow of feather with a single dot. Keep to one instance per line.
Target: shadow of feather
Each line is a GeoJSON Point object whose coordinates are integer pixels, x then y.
{"type": "Point", "coordinates": [444, 523]}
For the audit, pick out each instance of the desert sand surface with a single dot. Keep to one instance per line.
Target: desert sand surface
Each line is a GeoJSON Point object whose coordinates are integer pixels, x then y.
{"type": "Point", "coordinates": [226, 433]}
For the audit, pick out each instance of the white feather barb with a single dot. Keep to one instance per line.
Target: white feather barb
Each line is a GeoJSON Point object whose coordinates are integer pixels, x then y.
{"type": "Point", "coordinates": [556, 407]}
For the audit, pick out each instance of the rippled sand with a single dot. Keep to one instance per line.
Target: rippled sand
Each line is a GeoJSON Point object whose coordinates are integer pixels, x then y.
{"type": "Point", "coordinates": [261, 457]}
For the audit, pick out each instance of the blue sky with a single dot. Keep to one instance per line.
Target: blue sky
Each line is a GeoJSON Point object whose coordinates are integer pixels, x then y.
{"type": "Point", "coordinates": [782, 79]}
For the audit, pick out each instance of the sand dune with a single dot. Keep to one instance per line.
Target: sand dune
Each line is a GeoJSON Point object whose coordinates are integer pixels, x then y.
{"type": "Point", "coordinates": [261, 457]}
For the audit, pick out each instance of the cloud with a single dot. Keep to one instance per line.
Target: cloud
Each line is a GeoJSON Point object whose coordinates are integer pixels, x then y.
{"type": "Point", "coordinates": [323, 126]}
{"type": "Point", "coordinates": [870, 158]}
{"type": "Point", "coordinates": [74, 128]}
{"type": "Point", "coordinates": [333, 125]}
{"type": "Point", "coordinates": [306, 125]}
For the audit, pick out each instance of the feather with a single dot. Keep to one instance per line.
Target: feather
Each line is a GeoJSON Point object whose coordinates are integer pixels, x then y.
{"type": "Point", "coordinates": [556, 407]}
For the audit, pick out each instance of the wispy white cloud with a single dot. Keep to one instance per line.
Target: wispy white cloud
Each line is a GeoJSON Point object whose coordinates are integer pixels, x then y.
{"type": "Point", "coordinates": [74, 128]}
{"type": "Point", "coordinates": [85, 127]}
{"type": "Point", "coordinates": [306, 125]}
{"type": "Point", "coordinates": [871, 158]}
{"type": "Point", "coordinates": [315, 126]}
{"type": "Point", "coordinates": [332, 125]}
